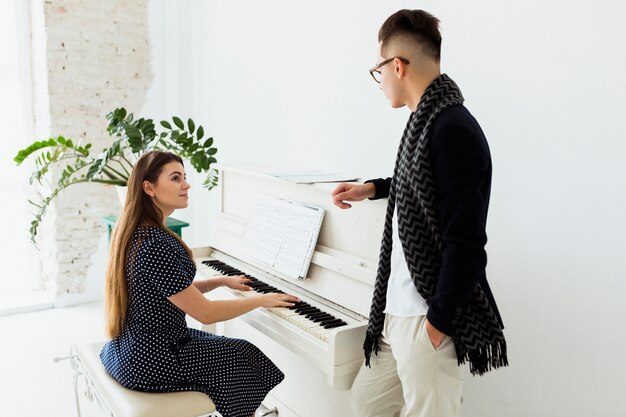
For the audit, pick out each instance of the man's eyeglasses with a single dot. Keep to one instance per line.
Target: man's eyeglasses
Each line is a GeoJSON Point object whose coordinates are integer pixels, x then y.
{"type": "Point", "coordinates": [375, 72]}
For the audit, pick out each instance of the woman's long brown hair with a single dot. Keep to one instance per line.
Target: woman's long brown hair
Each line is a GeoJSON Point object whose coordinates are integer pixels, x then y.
{"type": "Point", "coordinates": [138, 210]}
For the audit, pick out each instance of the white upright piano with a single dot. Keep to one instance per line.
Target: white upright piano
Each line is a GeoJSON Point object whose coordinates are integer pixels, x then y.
{"type": "Point", "coordinates": [319, 348]}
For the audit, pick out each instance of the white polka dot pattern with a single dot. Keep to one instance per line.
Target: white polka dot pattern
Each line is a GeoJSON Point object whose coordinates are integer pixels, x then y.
{"type": "Point", "coordinates": [157, 351]}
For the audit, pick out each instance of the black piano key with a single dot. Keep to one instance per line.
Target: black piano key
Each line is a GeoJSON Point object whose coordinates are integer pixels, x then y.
{"type": "Point", "coordinates": [320, 317]}
{"type": "Point", "coordinates": [298, 304]}
{"type": "Point", "coordinates": [319, 313]}
{"type": "Point", "coordinates": [272, 290]}
{"type": "Point", "coordinates": [311, 313]}
{"type": "Point", "coordinates": [304, 311]}
{"type": "Point", "coordinates": [332, 324]}
{"type": "Point", "coordinates": [317, 316]}
{"type": "Point", "coordinates": [325, 315]}
{"type": "Point", "coordinates": [329, 321]}
{"type": "Point", "coordinates": [324, 320]}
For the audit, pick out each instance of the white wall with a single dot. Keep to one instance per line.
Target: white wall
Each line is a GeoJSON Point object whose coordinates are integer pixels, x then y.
{"type": "Point", "coordinates": [21, 274]}
{"type": "Point", "coordinates": [283, 81]}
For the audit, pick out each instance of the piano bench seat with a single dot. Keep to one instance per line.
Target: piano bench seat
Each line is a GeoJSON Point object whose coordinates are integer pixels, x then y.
{"type": "Point", "coordinates": [118, 401]}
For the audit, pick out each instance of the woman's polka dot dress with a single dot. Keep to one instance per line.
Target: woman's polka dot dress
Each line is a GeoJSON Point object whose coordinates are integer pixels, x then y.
{"type": "Point", "coordinates": [157, 351]}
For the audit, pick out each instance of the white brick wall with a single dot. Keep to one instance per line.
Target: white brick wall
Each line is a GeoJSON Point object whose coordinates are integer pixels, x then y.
{"type": "Point", "coordinates": [88, 58]}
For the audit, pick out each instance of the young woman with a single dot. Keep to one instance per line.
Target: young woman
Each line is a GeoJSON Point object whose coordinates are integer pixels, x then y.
{"type": "Point", "coordinates": [150, 288]}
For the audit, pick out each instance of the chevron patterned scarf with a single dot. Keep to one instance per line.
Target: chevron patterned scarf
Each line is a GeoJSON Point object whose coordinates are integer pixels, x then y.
{"type": "Point", "coordinates": [478, 338]}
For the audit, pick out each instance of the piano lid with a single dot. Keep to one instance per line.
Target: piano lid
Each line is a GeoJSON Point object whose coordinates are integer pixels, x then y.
{"type": "Point", "coordinates": [343, 266]}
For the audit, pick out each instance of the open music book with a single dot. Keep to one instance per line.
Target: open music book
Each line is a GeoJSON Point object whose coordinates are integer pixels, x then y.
{"type": "Point", "coordinates": [312, 176]}
{"type": "Point", "coordinates": [283, 234]}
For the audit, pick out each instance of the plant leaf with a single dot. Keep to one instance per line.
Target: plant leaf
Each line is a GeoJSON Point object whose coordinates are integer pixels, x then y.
{"type": "Point", "coordinates": [206, 163]}
{"type": "Point", "coordinates": [178, 122]}
{"type": "Point", "coordinates": [34, 147]}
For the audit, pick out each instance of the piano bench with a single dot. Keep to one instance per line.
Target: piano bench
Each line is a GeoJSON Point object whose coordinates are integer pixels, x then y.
{"type": "Point", "coordinates": [118, 401]}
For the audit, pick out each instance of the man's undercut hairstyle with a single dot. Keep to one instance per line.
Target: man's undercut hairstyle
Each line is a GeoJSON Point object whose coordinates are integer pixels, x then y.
{"type": "Point", "coordinates": [415, 25]}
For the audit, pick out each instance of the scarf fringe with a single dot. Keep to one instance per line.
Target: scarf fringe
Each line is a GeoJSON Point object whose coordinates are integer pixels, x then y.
{"type": "Point", "coordinates": [483, 358]}
{"type": "Point", "coordinates": [370, 346]}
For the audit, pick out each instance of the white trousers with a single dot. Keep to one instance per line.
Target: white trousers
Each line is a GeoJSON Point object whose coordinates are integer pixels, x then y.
{"type": "Point", "coordinates": [409, 372]}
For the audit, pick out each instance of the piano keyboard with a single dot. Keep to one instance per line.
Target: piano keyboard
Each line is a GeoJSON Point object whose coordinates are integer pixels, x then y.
{"type": "Point", "coordinates": [304, 315]}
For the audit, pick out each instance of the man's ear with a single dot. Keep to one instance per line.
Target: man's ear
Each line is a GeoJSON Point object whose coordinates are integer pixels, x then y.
{"type": "Point", "coordinates": [148, 189]}
{"type": "Point", "coordinates": [399, 68]}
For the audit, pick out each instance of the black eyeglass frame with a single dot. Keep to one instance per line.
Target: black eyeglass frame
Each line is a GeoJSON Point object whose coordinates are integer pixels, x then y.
{"type": "Point", "coordinates": [385, 62]}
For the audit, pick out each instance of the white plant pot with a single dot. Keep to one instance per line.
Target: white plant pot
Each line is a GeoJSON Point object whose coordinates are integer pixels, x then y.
{"type": "Point", "coordinates": [121, 193]}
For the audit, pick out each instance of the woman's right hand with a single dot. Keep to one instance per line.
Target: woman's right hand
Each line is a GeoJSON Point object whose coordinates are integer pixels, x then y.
{"type": "Point", "coordinates": [277, 300]}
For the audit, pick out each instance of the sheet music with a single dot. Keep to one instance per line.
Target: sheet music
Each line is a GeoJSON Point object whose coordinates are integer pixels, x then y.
{"type": "Point", "coordinates": [283, 234]}
{"type": "Point", "coordinates": [312, 176]}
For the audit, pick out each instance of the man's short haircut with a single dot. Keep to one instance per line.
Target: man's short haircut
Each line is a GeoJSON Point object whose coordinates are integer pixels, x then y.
{"type": "Point", "coordinates": [416, 25]}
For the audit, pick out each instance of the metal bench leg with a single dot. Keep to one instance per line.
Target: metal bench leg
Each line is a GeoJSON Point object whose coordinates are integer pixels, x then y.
{"type": "Point", "coordinates": [90, 390]}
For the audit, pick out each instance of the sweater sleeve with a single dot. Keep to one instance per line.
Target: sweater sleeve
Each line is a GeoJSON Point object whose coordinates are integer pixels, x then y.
{"type": "Point", "coordinates": [382, 186]}
{"type": "Point", "coordinates": [462, 170]}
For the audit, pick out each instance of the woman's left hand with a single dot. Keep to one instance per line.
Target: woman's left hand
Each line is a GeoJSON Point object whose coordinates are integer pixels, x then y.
{"type": "Point", "coordinates": [237, 282]}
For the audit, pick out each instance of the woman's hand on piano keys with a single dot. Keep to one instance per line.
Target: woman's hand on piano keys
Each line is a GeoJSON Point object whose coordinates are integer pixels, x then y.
{"type": "Point", "coordinates": [237, 282]}
{"type": "Point", "coordinates": [277, 300]}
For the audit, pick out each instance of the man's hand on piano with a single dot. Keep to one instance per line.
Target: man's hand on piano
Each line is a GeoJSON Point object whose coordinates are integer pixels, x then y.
{"type": "Point", "coordinates": [277, 300]}
{"type": "Point", "coordinates": [352, 192]}
{"type": "Point", "coordinates": [237, 282]}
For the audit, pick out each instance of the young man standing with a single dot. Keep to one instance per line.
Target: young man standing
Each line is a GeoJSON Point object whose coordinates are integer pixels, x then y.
{"type": "Point", "coordinates": [432, 308]}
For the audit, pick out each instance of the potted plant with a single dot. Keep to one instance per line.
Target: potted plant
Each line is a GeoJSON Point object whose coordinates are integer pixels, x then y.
{"type": "Point", "coordinates": [132, 137]}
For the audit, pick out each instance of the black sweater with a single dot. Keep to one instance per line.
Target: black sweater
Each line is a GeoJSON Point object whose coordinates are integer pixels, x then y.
{"type": "Point", "coordinates": [461, 164]}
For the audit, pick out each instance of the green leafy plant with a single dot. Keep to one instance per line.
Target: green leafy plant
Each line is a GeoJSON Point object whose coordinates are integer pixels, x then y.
{"type": "Point", "coordinates": [131, 138]}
